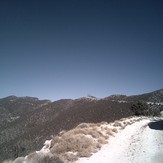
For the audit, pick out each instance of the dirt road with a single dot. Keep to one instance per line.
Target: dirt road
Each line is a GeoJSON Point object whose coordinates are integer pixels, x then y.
{"type": "Point", "coordinates": [141, 142]}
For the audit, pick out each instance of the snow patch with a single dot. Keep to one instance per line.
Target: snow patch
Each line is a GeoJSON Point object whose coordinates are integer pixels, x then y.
{"type": "Point", "coordinates": [136, 143]}
{"type": "Point", "coordinates": [46, 147]}
{"type": "Point", "coordinates": [91, 98]}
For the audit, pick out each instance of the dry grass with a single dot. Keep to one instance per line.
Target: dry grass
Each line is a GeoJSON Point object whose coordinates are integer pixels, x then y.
{"type": "Point", "coordinates": [83, 125]}
{"type": "Point", "coordinates": [122, 123]}
{"type": "Point", "coordinates": [115, 130]}
{"type": "Point", "coordinates": [102, 140]}
{"type": "Point", "coordinates": [78, 143]}
{"type": "Point", "coordinates": [42, 158]}
{"type": "Point", "coordinates": [81, 141]}
{"type": "Point", "coordinates": [125, 122]}
{"type": "Point", "coordinates": [69, 157]}
{"type": "Point", "coordinates": [85, 139]}
{"type": "Point", "coordinates": [75, 143]}
{"type": "Point", "coordinates": [109, 132]}
{"type": "Point", "coordinates": [117, 124]}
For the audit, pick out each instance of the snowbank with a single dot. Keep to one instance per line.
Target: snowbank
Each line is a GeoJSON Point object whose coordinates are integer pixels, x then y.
{"type": "Point", "coordinates": [137, 143]}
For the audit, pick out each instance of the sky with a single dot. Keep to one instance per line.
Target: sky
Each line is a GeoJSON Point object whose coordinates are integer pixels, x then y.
{"type": "Point", "coordinates": [53, 49]}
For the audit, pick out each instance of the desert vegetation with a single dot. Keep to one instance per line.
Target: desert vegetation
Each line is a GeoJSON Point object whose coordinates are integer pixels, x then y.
{"type": "Point", "coordinates": [26, 123]}
{"type": "Point", "coordinates": [36, 121]}
{"type": "Point", "coordinates": [141, 108]}
{"type": "Point", "coordinates": [81, 141]}
{"type": "Point", "coordinates": [86, 139]}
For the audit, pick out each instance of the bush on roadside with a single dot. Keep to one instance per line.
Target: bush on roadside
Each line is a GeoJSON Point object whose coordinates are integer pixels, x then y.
{"type": "Point", "coordinates": [143, 109]}
{"type": "Point", "coordinates": [42, 158]}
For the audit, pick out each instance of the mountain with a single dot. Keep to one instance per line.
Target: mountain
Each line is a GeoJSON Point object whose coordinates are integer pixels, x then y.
{"type": "Point", "coordinates": [26, 122]}
{"type": "Point", "coordinates": [155, 97]}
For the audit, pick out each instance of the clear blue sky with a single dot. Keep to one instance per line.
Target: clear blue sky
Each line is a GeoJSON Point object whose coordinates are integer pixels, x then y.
{"type": "Point", "coordinates": [54, 49]}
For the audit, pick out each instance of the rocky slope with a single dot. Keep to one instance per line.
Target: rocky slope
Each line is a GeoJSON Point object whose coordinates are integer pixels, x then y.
{"type": "Point", "coordinates": [26, 122]}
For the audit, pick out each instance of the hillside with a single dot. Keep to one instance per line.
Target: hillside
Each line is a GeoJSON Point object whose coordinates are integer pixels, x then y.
{"type": "Point", "coordinates": [154, 97]}
{"type": "Point", "coordinates": [26, 122]}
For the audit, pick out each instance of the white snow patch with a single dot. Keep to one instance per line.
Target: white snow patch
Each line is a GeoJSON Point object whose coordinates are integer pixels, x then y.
{"type": "Point", "coordinates": [137, 143]}
{"type": "Point", "coordinates": [122, 101]}
{"type": "Point", "coordinates": [90, 98]}
{"type": "Point", "coordinates": [46, 147]}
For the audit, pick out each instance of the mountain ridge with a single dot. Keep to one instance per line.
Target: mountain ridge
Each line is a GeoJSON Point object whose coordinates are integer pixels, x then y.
{"type": "Point", "coordinates": [113, 96]}
{"type": "Point", "coordinates": [26, 122]}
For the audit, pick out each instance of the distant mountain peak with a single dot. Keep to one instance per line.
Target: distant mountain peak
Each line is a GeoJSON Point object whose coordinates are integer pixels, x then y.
{"type": "Point", "coordinates": [116, 97]}
{"type": "Point", "coordinates": [9, 98]}
{"type": "Point", "coordinates": [29, 98]}
{"type": "Point", "coordinates": [89, 97]}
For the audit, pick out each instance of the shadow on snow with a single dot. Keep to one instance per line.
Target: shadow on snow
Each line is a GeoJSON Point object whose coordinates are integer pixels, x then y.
{"type": "Point", "coordinates": [158, 125]}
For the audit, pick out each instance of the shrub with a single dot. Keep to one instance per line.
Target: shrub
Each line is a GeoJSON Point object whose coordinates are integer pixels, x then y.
{"type": "Point", "coordinates": [76, 143]}
{"type": "Point", "coordinates": [42, 158]}
{"type": "Point", "coordinates": [85, 153]}
{"type": "Point", "coordinates": [55, 140]}
{"type": "Point", "coordinates": [115, 130]}
{"type": "Point", "coordinates": [156, 110]}
{"type": "Point", "coordinates": [69, 144]}
{"type": "Point", "coordinates": [98, 145]}
{"type": "Point", "coordinates": [81, 141]}
{"type": "Point", "coordinates": [102, 140]}
{"type": "Point", "coordinates": [117, 124]}
{"type": "Point", "coordinates": [125, 122]}
{"type": "Point", "coordinates": [109, 131]}
{"type": "Point", "coordinates": [53, 159]}
{"type": "Point", "coordinates": [69, 156]}
{"type": "Point", "coordinates": [142, 109]}
{"type": "Point", "coordinates": [83, 125]}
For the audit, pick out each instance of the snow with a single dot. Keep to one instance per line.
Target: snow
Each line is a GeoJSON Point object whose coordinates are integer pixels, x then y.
{"type": "Point", "coordinates": [137, 143]}
{"type": "Point", "coordinates": [122, 101]}
{"type": "Point", "coordinates": [46, 147]}
{"type": "Point", "coordinates": [91, 98]}
{"type": "Point", "coordinates": [155, 103]}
